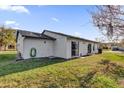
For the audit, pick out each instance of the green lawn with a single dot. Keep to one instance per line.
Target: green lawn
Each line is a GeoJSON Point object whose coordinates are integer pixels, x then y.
{"type": "Point", "coordinates": [91, 71]}
{"type": "Point", "coordinates": [7, 57]}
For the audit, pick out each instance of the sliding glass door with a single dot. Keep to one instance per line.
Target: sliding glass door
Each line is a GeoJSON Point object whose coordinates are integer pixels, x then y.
{"type": "Point", "coordinates": [89, 48]}
{"type": "Point", "coordinates": [75, 48]}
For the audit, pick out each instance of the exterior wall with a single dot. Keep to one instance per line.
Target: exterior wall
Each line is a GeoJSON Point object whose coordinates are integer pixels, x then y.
{"type": "Point", "coordinates": [7, 48]}
{"type": "Point", "coordinates": [60, 45]}
{"type": "Point", "coordinates": [43, 49]}
{"type": "Point", "coordinates": [83, 47]}
{"type": "Point", "coordinates": [96, 48]}
{"type": "Point", "coordinates": [1, 48]}
{"type": "Point", "coordinates": [19, 44]}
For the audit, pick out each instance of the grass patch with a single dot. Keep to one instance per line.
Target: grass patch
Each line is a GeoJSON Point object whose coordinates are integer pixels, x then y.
{"type": "Point", "coordinates": [113, 56]}
{"type": "Point", "coordinates": [81, 72]}
{"type": "Point", "coordinates": [26, 65]}
{"type": "Point", "coordinates": [103, 81]}
{"type": "Point", "coordinates": [7, 57]}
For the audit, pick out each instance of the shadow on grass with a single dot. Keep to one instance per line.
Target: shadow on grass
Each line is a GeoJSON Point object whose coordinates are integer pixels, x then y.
{"type": "Point", "coordinates": [121, 56]}
{"type": "Point", "coordinates": [7, 57]}
{"type": "Point", "coordinates": [26, 65]}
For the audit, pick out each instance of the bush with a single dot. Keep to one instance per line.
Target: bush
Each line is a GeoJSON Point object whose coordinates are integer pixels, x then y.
{"type": "Point", "coordinates": [85, 80]}
{"type": "Point", "coordinates": [105, 47]}
{"type": "Point", "coordinates": [105, 61]}
{"type": "Point", "coordinates": [112, 68]}
{"type": "Point", "coordinates": [119, 71]}
{"type": "Point", "coordinates": [103, 81]}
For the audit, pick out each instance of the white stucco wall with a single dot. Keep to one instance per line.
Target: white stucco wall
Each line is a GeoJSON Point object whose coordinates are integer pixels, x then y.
{"type": "Point", "coordinates": [83, 47]}
{"type": "Point", "coordinates": [96, 48]}
{"type": "Point", "coordinates": [60, 45]}
{"type": "Point", "coordinates": [43, 49]}
{"type": "Point", "coordinates": [19, 44]}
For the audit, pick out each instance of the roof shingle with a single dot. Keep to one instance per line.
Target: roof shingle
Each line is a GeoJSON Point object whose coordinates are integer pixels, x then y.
{"type": "Point", "coordinates": [69, 36]}
{"type": "Point", "coordinates": [34, 35]}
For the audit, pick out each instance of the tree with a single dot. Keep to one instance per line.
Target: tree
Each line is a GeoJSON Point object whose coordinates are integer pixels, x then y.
{"type": "Point", "coordinates": [109, 19]}
{"type": "Point", "coordinates": [1, 36]}
{"type": "Point", "coordinates": [6, 36]}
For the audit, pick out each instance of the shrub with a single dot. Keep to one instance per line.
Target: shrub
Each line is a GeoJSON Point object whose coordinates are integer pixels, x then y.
{"type": "Point", "coordinates": [103, 81]}
{"type": "Point", "coordinates": [119, 71]}
{"type": "Point", "coordinates": [105, 61]}
{"type": "Point", "coordinates": [85, 80]}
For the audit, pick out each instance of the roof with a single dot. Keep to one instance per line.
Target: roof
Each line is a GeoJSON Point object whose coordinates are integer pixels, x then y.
{"type": "Point", "coordinates": [29, 34]}
{"type": "Point", "coordinates": [70, 36]}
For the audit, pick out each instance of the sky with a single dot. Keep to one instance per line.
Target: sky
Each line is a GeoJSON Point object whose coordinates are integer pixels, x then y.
{"type": "Point", "coordinates": [73, 20]}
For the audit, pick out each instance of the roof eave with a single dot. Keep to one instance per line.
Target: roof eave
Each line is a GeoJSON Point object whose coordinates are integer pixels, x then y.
{"type": "Point", "coordinates": [37, 37]}
{"type": "Point", "coordinates": [69, 36]}
{"type": "Point", "coordinates": [82, 39]}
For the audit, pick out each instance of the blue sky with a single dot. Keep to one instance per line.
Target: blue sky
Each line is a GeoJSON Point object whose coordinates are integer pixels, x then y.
{"type": "Point", "coordinates": [73, 20]}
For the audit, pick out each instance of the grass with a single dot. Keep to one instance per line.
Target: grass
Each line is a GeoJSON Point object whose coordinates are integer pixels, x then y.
{"type": "Point", "coordinates": [81, 72]}
{"type": "Point", "coordinates": [7, 57]}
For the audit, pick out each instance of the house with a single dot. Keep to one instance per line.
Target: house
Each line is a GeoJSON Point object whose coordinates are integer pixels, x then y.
{"type": "Point", "coordinates": [107, 45]}
{"type": "Point", "coordinates": [113, 46]}
{"type": "Point", "coordinates": [53, 44]}
{"type": "Point", "coordinates": [9, 47]}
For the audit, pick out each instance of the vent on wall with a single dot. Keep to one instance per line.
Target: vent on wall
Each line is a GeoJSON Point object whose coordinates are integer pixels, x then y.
{"type": "Point", "coordinates": [44, 42]}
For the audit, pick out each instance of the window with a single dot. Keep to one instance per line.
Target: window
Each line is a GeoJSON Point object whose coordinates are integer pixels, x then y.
{"type": "Point", "coordinates": [89, 48]}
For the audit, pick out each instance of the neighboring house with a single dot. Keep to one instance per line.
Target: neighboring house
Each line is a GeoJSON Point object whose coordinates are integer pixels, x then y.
{"type": "Point", "coordinates": [106, 45]}
{"type": "Point", "coordinates": [8, 47]}
{"type": "Point", "coordinates": [53, 44]}
{"type": "Point", "coordinates": [1, 47]}
{"type": "Point", "coordinates": [110, 45]}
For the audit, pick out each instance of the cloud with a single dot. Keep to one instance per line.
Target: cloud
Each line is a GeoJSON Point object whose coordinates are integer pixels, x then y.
{"type": "Point", "coordinates": [55, 19]}
{"type": "Point", "coordinates": [8, 22]}
{"type": "Point", "coordinates": [78, 34]}
{"type": "Point", "coordinates": [16, 27]}
{"type": "Point", "coordinates": [11, 22]}
{"type": "Point", "coordinates": [15, 8]}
